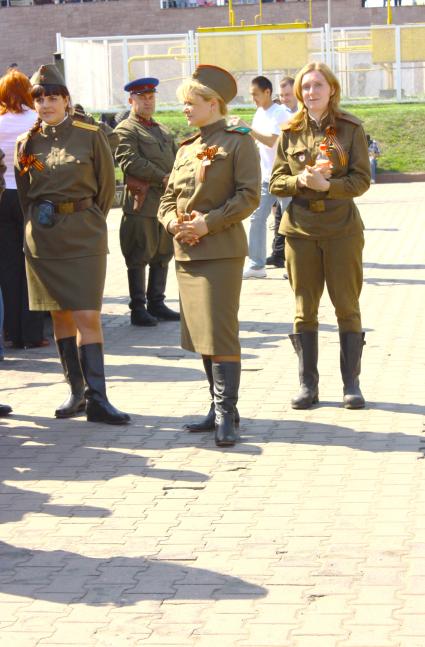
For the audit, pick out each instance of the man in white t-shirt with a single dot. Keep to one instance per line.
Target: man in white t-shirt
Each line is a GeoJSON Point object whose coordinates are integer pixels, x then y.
{"type": "Point", "coordinates": [265, 129]}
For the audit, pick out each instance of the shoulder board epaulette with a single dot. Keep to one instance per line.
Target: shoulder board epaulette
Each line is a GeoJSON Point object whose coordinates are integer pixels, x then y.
{"type": "Point", "coordinates": [21, 137]}
{"type": "Point", "coordinates": [189, 140]}
{"type": "Point", "coordinates": [82, 124]}
{"type": "Point", "coordinates": [286, 126]}
{"type": "Point", "coordinates": [241, 130]}
{"type": "Point", "coordinates": [346, 116]}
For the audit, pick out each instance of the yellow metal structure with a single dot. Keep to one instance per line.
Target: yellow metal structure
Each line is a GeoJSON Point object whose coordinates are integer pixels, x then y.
{"type": "Point", "coordinates": [243, 28]}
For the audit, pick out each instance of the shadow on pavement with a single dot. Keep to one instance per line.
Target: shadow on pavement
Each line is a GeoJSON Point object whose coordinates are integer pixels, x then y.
{"type": "Point", "coordinates": [64, 577]}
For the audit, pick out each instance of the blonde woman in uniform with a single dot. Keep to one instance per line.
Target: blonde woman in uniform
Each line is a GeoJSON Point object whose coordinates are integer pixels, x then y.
{"type": "Point", "coordinates": [214, 185]}
{"type": "Point", "coordinates": [66, 183]}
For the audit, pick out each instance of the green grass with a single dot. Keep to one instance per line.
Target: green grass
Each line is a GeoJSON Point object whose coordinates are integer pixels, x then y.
{"type": "Point", "coordinates": [398, 128]}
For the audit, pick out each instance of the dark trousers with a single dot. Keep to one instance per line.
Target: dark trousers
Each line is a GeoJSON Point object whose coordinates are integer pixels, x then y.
{"type": "Point", "coordinates": [21, 326]}
{"type": "Point", "coordinates": [278, 244]}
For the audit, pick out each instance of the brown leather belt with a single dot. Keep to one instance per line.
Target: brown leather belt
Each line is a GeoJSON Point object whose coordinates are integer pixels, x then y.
{"type": "Point", "coordinates": [70, 207]}
{"type": "Point", "coordinates": [317, 206]}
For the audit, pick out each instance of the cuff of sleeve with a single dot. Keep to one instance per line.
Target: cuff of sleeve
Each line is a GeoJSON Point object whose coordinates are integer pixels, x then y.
{"type": "Point", "coordinates": [336, 189]}
{"type": "Point", "coordinates": [288, 188]}
{"type": "Point", "coordinates": [214, 221]}
{"type": "Point", "coordinates": [165, 220]}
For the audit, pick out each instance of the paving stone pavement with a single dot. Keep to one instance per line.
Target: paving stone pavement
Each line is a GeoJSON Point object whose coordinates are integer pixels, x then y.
{"type": "Point", "coordinates": [309, 533]}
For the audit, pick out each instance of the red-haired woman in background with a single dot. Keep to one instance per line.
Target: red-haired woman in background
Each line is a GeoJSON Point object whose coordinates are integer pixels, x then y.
{"type": "Point", "coordinates": [22, 327]}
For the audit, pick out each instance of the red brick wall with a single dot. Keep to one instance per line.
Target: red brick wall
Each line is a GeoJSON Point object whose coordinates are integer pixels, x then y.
{"type": "Point", "coordinates": [28, 34]}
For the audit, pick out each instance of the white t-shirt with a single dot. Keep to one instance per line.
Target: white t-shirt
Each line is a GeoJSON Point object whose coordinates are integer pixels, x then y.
{"type": "Point", "coordinates": [269, 122]}
{"type": "Point", "coordinates": [11, 126]}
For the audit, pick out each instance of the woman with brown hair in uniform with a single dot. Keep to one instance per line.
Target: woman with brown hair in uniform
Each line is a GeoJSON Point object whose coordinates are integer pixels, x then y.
{"type": "Point", "coordinates": [214, 185]}
{"type": "Point", "coordinates": [322, 161]}
{"type": "Point", "coordinates": [66, 182]}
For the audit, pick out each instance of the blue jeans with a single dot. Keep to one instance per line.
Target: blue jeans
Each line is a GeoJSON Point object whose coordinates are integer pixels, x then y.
{"type": "Point", "coordinates": [258, 227]}
{"type": "Point", "coordinates": [373, 168]}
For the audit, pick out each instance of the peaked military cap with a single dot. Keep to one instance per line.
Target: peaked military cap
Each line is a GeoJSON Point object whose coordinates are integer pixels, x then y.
{"type": "Point", "coordinates": [218, 79]}
{"type": "Point", "coordinates": [142, 86]}
{"type": "Point", "coordinates": [48, 75]}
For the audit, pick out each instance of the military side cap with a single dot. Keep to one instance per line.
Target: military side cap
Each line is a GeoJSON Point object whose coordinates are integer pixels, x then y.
{"type": "Point", "coordinates": [217, 79]}
{"type": "Point", "coordinates": [48, 75]}
{"type": "Point", "coordinates": [142, 86]}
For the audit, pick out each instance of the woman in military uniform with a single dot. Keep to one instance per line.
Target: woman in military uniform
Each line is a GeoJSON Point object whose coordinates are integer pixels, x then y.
{"type": "Point", "coordinates": [214, 185]}
{"type": "Point", "coordinates": [323, 228]}
{"type": "Point", "coordinates": [65, 179]}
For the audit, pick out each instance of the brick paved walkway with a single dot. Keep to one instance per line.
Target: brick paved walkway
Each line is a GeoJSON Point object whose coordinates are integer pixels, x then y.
{"type": "Point", "coordinates": [310, 533]}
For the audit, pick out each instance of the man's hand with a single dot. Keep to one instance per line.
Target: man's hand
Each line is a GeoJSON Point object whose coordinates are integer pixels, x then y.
{"type": "Point", "coordinates": [234, 120]}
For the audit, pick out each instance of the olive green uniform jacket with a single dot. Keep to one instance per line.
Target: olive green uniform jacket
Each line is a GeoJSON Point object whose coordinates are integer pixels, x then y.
{"type": "Point", "coordinates": [147, 154]}
{"type": "Point", "coordinates": [77, 164]}
{"type": "Point", "coordinates": [330, 214]}
{"type": "Point", "coordinates": [229, 194]}
{"type": "Point", "coordinates": [209, 274]}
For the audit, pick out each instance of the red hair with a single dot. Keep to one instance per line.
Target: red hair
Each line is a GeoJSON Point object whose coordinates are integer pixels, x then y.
{"type": "Point", "coordinates": [15, 92]}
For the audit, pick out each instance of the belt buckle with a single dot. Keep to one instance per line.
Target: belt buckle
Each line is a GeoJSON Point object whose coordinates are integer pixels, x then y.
{"type": "Point", "coordinates": [317, 206]}
{"type": "Point", "coordinates": [65, 208]}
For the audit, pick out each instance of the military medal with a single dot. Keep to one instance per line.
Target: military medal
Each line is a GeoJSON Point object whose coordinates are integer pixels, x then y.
{"type": "Point", "coordinates": [301, 157]}
{"type": "Point", "coordinates": [206, 156]}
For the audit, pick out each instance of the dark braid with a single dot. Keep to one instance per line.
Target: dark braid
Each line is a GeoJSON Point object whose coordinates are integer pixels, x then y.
{"type": "Point", "coordinates": [23, 148]}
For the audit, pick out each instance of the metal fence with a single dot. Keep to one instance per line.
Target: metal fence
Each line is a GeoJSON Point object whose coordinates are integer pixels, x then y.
{"type": "Point", "coordinates": [378, 62]}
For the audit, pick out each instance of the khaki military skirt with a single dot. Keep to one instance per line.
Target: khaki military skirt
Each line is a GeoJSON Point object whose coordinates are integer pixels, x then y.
{"type": "Point", "coordinates": [68, 284]}
{"type": "Point", "coordinates": [209, 304]}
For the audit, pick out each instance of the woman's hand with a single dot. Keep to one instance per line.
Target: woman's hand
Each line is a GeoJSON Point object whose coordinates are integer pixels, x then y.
{"type": "Point", "coordinates": [313, 178]}
{"type": "Point", "coordinates": [189, 231]}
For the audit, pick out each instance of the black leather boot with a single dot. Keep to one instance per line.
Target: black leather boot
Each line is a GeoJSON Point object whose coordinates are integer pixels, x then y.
{"type": "Point", "coordinates": [5, 410]}
{"type": "Point", "coordinates": [208, 423]}
{"type": "Point", "coordinates": [98, 407]}
{"type": "Point", "coordinates": [68, 355]}
{"type": "Point", "coordinates": [351, 349]}
{"type": "Point", "coordinates": [306, 347]}
{"type": "Point", "coordinates": [226, 377]}
{"type": "Point", "coordinates": [136, 285]}
{"type": "Point", "coordinates": [156, 294]}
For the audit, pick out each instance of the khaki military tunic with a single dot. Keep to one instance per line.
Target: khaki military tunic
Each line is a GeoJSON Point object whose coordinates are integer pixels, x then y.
{"type": "Point", "coordinates": [210, 273]}
{"type": "Point", "coordinates": [147, 153]}
{"type": "Point", "coordinates": [324, 231]}
{"type": "Point", "coordinates": [66, 264]}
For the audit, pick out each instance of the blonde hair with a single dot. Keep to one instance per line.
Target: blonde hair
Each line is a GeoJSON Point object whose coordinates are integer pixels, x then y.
{"type": "Point", "coordinates": [299, 120]}
{"type": "Point", "coordinates": [189, 87]}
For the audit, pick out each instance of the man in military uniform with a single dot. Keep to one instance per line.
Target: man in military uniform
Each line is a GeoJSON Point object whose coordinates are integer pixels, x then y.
{"type": "Point", "coordinates": [145, 153]}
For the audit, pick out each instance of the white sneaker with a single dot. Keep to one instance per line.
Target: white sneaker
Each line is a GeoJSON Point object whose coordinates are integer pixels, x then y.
{"type": "Point", "coordinates": [252, 273]}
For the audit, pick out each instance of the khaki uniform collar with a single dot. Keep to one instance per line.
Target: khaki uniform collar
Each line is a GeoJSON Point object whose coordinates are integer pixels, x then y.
{"type": "Point", "coordinates": [60, 128]}
{"type": "Point", "coordinates": [206, 131]}
{"type": "Point", "coordinates": [320, 125]}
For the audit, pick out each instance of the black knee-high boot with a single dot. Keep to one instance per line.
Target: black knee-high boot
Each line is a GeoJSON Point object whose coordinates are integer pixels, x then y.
{"type": "Point", "coordinates": [306, 347]}
{"type": "Point", "coordinates": [98, 407]}
{"type": "Point", "coordinates": [68, 355]}
{"type": "Point", "coordinates": [226, 377]}
{"type": "Point", "coordinates": [351, 349]}
{"type": "Point", "coordinates": [5, 410]}
{"type": "Point", "coordinates": [208, 422]}
{"type": "Point", "coordinates": [156, 294]}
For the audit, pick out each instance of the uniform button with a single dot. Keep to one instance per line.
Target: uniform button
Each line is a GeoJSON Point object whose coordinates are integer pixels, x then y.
{"type": "Point", "coordinates": [53, 166]}
{"type": "Point", "coordinates": [78, 162]}
{"type": "Point", "coordinates": [53, 130]}
{"type": "Point", "coordinates": [56, 139]}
